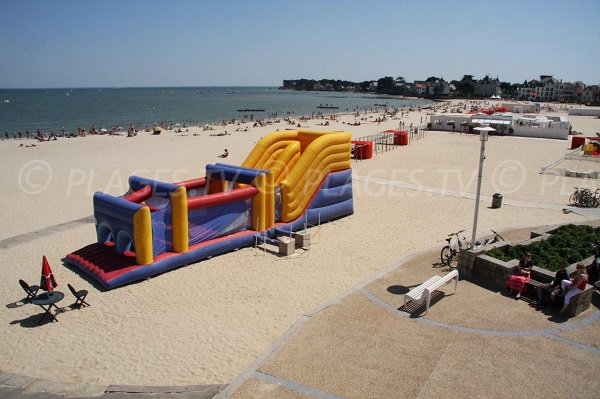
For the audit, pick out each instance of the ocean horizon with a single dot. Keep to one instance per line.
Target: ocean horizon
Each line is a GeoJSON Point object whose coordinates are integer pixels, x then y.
{"type": "Point", "coordinates": [51, 109]}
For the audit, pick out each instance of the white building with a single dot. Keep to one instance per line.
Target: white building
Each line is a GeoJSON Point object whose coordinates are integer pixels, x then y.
{"type": "Point", "coordinates": [548, 89]}
{"type": "Point", "coordinates": [520, 107]}
{"type": "Point", "coordinates": [505, 123]}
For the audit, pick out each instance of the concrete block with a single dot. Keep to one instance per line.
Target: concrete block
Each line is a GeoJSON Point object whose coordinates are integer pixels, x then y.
{"type": "Point", "coordinates": [286, 246]}
{"type": "Point", "coordinates": [581, 301]}
{"type": "Point", "coordinates": [302, 239]}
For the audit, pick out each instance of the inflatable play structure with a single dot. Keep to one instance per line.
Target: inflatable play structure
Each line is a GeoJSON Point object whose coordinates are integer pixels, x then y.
{"type": "Point", "coordinates": [289, 179]}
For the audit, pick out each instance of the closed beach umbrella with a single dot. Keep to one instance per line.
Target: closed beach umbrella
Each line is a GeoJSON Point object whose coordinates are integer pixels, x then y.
{"type": "Point", "coordinates": [48, 282]}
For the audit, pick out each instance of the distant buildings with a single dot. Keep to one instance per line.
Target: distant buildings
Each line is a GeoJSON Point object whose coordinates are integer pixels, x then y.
{"type": "Point", "coordinates": [550, 89]}
{"type": "Point", "coordinates": [487, 87]}
{"type": "Point", "coordinates": [546, 89]}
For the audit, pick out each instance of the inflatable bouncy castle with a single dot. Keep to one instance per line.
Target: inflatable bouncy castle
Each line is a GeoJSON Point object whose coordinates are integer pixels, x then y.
{"type": "Point", "coordinates": [290, 178]}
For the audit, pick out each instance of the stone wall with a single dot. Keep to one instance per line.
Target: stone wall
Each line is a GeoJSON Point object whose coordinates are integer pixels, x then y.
{"type": "Point", "coordinates": [475, 265]}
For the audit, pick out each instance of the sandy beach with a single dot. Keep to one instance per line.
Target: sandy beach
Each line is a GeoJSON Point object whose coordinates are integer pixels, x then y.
{"type": "Point", "coordinates": [207, 322]}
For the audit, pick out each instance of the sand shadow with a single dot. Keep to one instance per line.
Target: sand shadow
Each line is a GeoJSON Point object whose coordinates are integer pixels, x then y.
{"type": "Point", "coordinates": [416, 310]}
{"type": "Point", "coordinates": [486, 284]}
{"type": "Point", "coordinates": [596, 299]}
{"type": "Point", "coordinates": [18, 304]}
{"type": "Point", "coordinates": [437, 265]}
{"type": "Point", "coordinates": [41, 318]}
{"type": "Point", "coordinates": [442, 267]}
{"type": "Point", "coordinates": [400, 289]}
{"type": "Point", "coordinates": [37, 320]}
{"type": "Point", "coordinates": [556, 317]}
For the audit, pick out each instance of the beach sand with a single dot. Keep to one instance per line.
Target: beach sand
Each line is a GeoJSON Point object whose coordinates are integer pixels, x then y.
{"type": "Point", "coordinates": [207, 322]}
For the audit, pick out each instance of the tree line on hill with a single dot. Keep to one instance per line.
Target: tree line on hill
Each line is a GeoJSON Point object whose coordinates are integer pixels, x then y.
{"type": "Point", "coordinates": [432, 86]}
{"type": "Point", "coordinates": [546, 88]}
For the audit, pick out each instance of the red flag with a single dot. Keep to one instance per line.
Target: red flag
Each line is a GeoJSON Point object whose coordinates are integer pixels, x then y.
{"type": "Point", "coordinates": [48, 282]}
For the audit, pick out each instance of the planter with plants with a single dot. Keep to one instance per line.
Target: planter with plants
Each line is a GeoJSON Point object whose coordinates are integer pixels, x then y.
{"type": "Point", "coordinates": [569, 243]}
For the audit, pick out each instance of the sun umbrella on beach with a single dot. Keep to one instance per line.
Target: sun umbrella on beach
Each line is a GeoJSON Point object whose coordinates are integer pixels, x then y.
{"type": "Point", "coordinates": [103, 130]}
{"type": "Point", "coordinates": [48, 283]}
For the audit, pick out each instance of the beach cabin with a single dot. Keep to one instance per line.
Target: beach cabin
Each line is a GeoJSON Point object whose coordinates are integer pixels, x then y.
{"type": "Point", "coordinates": [542, 126]}
{"type": "Point", "coordinates": [522, 107]}
{"type": "Point", "coordinates": [505, 123]}
{"type": "Point", "coordinates": [451, 122]}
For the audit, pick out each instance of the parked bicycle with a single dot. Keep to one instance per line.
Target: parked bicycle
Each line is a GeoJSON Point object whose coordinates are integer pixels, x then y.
{"type": "Point", "coordinates": [449, 254]}
{"type": "Point", "coordinates": [494, 239]}
{"type": "Point", "coordinates": [585, 198]}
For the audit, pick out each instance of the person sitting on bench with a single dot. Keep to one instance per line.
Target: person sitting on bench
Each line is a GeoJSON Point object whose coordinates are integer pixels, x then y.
{"type": "Point", "coordinates": [518, 281]}
{"type": "Point", "coordinates": [574, 286]}
{"type": "Point", "coordinates": [552, 289]}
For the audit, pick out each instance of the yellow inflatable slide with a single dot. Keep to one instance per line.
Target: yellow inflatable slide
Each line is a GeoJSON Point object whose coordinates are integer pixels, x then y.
{"type": "Point", "coordinates": [299, 160]}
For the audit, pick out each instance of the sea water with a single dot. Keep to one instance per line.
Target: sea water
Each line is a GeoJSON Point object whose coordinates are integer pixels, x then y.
{"type": "Point", "coordinates": [52, 109]}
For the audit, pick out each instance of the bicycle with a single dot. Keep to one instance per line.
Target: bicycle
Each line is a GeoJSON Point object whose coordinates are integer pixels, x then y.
{"type": "Point", "coordinates": [583, 197]}
{"type": "Point", "coordinates": [496, 238]}
{"type": "Point", "coordinates": [449, 254]}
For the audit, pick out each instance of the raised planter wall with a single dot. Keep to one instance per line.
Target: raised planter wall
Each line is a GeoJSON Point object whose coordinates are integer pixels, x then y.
{"type": "Point", "coordinates": [476, 265]}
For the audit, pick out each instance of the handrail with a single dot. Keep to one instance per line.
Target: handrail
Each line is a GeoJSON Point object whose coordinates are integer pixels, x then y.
{"type": "Point", "coordinates": [556, 162]}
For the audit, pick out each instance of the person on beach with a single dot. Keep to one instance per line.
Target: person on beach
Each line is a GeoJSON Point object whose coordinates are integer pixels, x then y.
{"type": "Point", "coordinates": [517, 282]}
{"type": "Point", "coordinates": [552, 289]}
{"type": "Point", "coordinates": [225, 154]}
{"type": "Point", "coordinates": [574, 286]}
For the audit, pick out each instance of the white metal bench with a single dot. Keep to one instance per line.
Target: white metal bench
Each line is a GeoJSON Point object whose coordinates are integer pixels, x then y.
{"type": "Point", "coordinates": [424, 290]}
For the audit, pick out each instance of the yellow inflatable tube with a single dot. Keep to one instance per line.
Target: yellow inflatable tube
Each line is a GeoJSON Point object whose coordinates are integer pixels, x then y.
{"type": "Point", "coordinates": [263, 150]}
{"type": "Point", "coordinates": [179, 215]}
{"type": "Point", "coordinates": [142, 236]}
{"type": "Point", "coordinates": [327, 153]}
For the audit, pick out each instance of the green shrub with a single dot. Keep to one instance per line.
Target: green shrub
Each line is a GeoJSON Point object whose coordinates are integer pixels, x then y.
{"type": "Point", "coordinates": [569, 243]}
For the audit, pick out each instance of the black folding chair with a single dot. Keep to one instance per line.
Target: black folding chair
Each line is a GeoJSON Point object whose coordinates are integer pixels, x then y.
{"type": "Point", "coordinates": [80, 295]}
{"type": "Point", "coordinates": [31, 290]}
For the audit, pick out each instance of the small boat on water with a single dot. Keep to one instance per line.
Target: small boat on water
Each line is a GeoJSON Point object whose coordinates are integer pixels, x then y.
{"type": "Point", "coordinates": [327, 106]}
{"type": "Point", "coordinates": [6, 101]}
{"type": "Point", "coordinates": [251, 110]}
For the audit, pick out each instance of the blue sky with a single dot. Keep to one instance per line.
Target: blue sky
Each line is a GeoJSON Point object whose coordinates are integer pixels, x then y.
{"type": "Point", "coordinates": [251, 43]}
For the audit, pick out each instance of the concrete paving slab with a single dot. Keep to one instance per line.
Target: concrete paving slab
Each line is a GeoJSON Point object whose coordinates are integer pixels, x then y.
{"type": "Point", "coordinates": [4, 376]}
{"type": "Point", "coordinates": [255, 388]}
{"type": "Point", "coordinates": [354, 349]}
{"type": "Point", "coordinates": [588, 335]}
{"type": "Point", "coordinates": [479, 366]}
{"type": "Point", "coordinates": [164, 389]}
{"type": "Point", "coordinates": [68, 390]}
{"type": "Point", "coordinates": [39, 385]}
{"type": "Point", "coordinates": [7, 392]}
{"type": "Point", "coordinates": [17, 380]}
{"type": "Point", "coordinates": [472, 306]}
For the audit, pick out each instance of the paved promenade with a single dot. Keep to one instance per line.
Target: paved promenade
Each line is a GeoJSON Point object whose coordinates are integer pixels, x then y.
{"type": "Point", "coordinates": [475, 343]}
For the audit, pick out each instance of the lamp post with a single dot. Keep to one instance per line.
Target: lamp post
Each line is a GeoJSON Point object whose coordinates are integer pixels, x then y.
{"type": "Point", "coordinates": [483, 136]}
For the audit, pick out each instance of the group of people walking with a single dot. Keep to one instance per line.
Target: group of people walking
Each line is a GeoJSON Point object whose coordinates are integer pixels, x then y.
{"type": "Point", "coordinates": [563, 286]}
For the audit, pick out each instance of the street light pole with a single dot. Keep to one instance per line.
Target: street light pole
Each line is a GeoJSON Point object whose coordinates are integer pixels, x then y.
{"type": "Point", "coordinates": [483, 136]}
